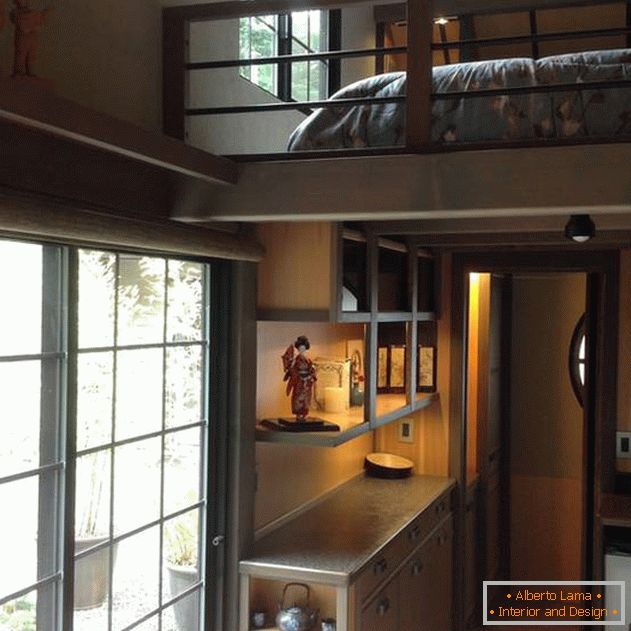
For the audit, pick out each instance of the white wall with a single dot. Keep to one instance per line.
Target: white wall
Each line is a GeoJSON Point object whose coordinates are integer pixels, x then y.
{"type": "Point", "coordinates": [104, 54]}
{"type": "Point", "coordinates": [262, 132]}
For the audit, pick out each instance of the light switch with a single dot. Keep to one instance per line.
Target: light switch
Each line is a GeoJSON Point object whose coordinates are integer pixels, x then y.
{"type": "Point", "coordinates": [406, 430]}
{"type": "Point", "coordinates": [623, 444]}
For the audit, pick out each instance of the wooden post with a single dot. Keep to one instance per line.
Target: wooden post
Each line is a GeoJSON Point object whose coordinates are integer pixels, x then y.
{"type": "Point", "coordinates": [174, 58]}
{"type": "Point", "coordinates": [419, 80]}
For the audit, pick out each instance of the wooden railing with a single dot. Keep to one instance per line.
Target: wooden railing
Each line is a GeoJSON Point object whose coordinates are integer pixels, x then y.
{"type": "Point", "coordinates": [420, 16]}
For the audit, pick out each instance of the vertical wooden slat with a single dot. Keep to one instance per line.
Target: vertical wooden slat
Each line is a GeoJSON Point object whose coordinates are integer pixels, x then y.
{"type": "Point", "coordinates": [419, 79]}
{"type": "Point", "coordinates": [174, 58]}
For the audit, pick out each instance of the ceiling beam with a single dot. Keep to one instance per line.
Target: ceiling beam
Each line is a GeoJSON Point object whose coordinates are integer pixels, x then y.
{"type": "Point", "coordinates": [512, 182]}
{"type": "Point", "coordinates": [37, 109]}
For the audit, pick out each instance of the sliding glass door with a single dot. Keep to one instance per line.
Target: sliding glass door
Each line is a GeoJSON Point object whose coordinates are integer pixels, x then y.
{"type": "Point", "coordinates": [103, 440]}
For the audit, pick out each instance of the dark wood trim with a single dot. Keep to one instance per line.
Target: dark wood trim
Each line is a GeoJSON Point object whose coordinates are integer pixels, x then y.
{"type": "Point", "coordinates": [27, 217]}
{"type": "Point", "coordinates": [390, 13]}
{"type": "Point", "coordinates": [233, 9]}
{"type": "Point", "coordinates": [418, 126]}
{"type": "Point", "coordinates": [603, 238]}
{"type": "Point", "coordinates": [457, 432]}
{"type": "Point", "coordinates": [240, 330]}
{"type": "Point", "coordinates": [505, 409]}
{"type": "Point", "coordinates": [335, 43]}
{"type": "Point", "coordinates": [174, 57]}
{"type": "Point", "coordinates": [532, 17]}
{"type": "Point", "coordinates": [628, 22]}
{"type": "Point", "coordinates": [380, 42]}
{"type": "Point", "coordinates": [48, 114]}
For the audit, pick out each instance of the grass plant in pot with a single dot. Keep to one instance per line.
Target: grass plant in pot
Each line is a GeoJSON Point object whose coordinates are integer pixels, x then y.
{"type": "Point", "coordinates": [92, 572]}
{"type": "Point", "coordinates": [181, 539]}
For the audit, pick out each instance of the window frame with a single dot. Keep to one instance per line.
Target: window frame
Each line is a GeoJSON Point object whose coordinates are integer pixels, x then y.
{"type": "Point", "coordinates": [579, 337]}
{"type": "Point", "coordinates": [285, 40]}
{"type": "Point", "coordinates": [60, 297]}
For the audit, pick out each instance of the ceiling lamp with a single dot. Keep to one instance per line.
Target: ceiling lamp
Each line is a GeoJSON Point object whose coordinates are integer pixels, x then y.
{"type": "Point", "coordinates": [580, 228]}
{"type": "Point", "coordinates": [441, 21]}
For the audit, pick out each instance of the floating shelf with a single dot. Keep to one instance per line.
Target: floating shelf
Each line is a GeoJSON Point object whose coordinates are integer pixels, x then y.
{"type": "Point", "coordinates": [352, 425]}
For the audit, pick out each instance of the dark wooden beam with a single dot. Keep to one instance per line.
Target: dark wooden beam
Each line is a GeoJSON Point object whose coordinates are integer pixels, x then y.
{"type": "Point", "coordinates": [174, 57]}
{"type": "Point", "coordinates": [41, 218]}
{"type": "Point", "coordinates": [418, 126]}
{"type": "Point", "coordinates": [39, 110]}
{"type": "Point", "coordinates": [238, 8]}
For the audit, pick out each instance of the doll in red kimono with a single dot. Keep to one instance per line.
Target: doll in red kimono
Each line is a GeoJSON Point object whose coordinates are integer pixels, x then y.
{"type": "Point", "coordinates": [300, 376]}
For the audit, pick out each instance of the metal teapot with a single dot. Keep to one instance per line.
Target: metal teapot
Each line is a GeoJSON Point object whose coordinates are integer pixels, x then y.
{"type": "Point", "coordinates": [296, 618]}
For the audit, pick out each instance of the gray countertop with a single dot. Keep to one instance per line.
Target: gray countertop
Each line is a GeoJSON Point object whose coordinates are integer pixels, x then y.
{"type": "Point", "coordinates": [333, 540]}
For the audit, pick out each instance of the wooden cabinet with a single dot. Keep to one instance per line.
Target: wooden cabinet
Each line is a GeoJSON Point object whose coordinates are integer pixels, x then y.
{"type": "Point", "coordinates": [403, 583]}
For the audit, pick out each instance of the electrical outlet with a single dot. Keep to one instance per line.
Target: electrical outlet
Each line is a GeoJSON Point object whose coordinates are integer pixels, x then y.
{"type": "Point", "coordinates": [406, 430]}
{"type": "Point", "coordinates": [623, 444]}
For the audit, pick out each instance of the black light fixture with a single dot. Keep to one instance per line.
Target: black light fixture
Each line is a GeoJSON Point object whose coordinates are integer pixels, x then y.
{"type": "Point", "coordinates": [580, 228]}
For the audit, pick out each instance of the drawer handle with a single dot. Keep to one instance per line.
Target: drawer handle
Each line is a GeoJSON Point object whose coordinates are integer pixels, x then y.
{"type": "Point", "coordinates": [383, 606]}
{"type": "Point", "coordinates": [415, 533]}
{"type": "Point", "coordinates": [380, 566]}
{"type": "Point", "coordinates": [417, 568]}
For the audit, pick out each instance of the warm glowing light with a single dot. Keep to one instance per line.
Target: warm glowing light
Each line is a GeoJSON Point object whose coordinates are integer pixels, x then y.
{"type": "Point", "coordinates": [441, 21]}
{"type": "Point", "coordinates": [474, 277]}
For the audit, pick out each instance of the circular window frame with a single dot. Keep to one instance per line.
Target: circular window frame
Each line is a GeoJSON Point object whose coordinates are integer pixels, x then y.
{"type": "Point", "coordinates": [576, 361]}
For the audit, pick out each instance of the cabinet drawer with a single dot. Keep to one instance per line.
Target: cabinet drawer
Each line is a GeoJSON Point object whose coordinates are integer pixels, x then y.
{"type": "Point", "coordinates": [382, 612]}
{"type": "Point", "coordinates": [416, 532]}
{"type": "Point", "coordinates": [381, 567]}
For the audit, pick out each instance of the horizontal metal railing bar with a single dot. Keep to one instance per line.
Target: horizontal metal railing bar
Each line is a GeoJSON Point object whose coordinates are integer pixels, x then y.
{"type": "Point", "coordinates": [33, 357]}
{"type": "Point", "coordinates": [138, 439]}
{"type": "Point", "coordinates": [140, 347]}
{"type": "Point", "coordinates": [22, 592]}
{"type": "Point", "coordinates": [139, 530]}
{"type": "Point", "coordinates": [534, 37]}
{"type": "Point", "coordinates": [533, 89]}
{"type": "Point", "coordinates": [398, 50]}
{"type": "Point", "coordinates": [441, 96]}
{"type": "Point", "coordinates": [187, 592]}
{"type": "Point", "coordinates": [293, 105]}
{"type": "Point", "coordinates": [16, 477]}
{"type": "Point", "coordinates": [321, 56]}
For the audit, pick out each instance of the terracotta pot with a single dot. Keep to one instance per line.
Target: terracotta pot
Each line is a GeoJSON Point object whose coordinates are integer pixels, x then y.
{"type": "Point", "coordinates": [92, 573]}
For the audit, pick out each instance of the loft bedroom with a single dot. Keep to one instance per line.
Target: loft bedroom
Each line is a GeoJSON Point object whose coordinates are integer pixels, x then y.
{"type": "Point", "coordinates": [355, 77]}
{"type": "Point", "coordinates": [508, 80]}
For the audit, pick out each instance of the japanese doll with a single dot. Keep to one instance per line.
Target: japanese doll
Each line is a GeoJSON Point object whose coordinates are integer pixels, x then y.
{"type": "Point", "coordinates": [300, 376]}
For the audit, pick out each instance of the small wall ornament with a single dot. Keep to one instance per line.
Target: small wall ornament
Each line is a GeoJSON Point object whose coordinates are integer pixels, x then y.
{"type": "Point", "coordinates": [27, 22]}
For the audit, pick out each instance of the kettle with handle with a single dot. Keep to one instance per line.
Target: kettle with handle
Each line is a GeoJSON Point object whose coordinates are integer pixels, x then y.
{"type": "Point", "coordinates": [296, 618]}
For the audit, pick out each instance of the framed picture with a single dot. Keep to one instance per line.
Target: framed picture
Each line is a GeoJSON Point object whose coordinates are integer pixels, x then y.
{"type": "Point", "coordinates": [391, 377]}
{"type": "Point", "coordinates": [426, 369]}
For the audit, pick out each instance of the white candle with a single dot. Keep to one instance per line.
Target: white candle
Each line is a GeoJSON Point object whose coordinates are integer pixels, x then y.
{"type": "Point", "coordinates": [335, 400]}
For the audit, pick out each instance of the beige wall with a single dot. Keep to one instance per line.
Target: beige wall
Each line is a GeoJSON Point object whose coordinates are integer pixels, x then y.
{"type": "Point", "coordinates": [104, 54]}
{"type": "Point", "coordinates": [289, 476]}
{"type": "Point", "coordinates": [546, 430]}
{"type": "Point", "coordinates": [430, 449]}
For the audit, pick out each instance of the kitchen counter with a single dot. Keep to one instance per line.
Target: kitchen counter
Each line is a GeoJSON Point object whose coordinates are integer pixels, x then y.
{"type": "Point", "coordinates": [333, 540]}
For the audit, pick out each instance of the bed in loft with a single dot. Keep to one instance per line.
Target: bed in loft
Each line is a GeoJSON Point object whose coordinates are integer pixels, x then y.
{"type": "Point", "coordinates": [603, 113]}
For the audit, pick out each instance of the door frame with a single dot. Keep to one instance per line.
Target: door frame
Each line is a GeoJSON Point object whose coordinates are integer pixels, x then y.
{"type": "Point", "coordinates": [602, 269]}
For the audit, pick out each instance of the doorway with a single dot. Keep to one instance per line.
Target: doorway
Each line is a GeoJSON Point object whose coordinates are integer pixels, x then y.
{"type": "Point", "coordinates": [528, 451]}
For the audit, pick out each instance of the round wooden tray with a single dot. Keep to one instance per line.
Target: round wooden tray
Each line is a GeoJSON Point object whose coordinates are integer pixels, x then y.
{"type": "Point", "coordinates": [382, 465]}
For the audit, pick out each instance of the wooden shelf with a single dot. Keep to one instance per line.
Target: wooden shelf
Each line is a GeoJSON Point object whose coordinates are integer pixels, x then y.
{"type": "Point", "coordinates": [351, 425]}
{"type": "Point", "coordinates": [616, 510]}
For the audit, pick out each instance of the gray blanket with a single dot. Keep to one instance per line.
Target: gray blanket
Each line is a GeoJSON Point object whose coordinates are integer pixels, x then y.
{"type": "Point", "coordinates": [595, 113]}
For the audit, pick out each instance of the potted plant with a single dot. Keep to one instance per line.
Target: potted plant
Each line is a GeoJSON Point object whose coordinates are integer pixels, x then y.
{"type": "Point", "coordinates": [92, 572]}
{"type": "Point", "coordinates": [182, 566]}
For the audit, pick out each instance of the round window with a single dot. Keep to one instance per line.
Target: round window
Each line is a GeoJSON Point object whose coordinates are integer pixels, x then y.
{"type": "Point", "coordinates": [578, 359]}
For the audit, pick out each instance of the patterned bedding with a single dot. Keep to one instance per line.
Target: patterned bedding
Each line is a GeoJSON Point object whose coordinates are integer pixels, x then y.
{"type": "Point", "coordinates": [602, 113]}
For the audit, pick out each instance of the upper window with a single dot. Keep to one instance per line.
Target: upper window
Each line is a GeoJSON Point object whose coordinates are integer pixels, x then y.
{"type": "Point", "coordinates": [296, 33]}
{"type": "Point", "coordinates": [578, 359]}
{"type": "Point", "coordinates": [103, 411]}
